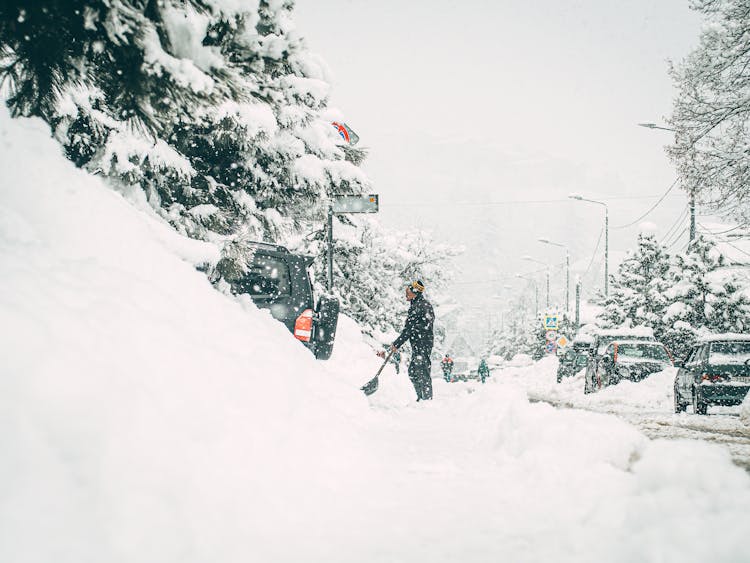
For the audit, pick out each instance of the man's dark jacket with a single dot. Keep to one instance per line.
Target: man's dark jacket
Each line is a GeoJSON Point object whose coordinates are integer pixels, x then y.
{"type": "Point", "coordinates": [418, 327]}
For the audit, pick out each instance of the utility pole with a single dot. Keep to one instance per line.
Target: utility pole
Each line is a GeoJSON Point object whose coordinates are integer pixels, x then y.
{"type": "Point", "coordinates": [567, 281]}
{"type": "Point", "coordinates": [578, 304]}
{"type": "Point", "coordinates": [606, 250]}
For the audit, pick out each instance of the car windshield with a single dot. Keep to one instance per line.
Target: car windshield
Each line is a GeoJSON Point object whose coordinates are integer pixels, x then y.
{"type": "Point", "coordinates": [267, 276]}
{"type": "Point", "coordinates": [643, 352]}
{"type": "Point", "coordinates": [729, 353]}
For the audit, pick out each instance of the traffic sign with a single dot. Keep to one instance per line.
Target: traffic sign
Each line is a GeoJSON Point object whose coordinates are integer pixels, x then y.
{"type": "Point", "coordinates": [551, 347]}
{"type": "Point", "coordinates": [367, 203]}
{"type": "Point", "coordinates": [550, 322]}
{"type": "Point", "coordinates": [551, 335]}
{"type": "Point", "coordinates": [563, 342]}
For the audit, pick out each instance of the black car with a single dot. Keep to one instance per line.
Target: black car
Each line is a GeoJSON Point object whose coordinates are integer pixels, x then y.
{"type": "Point", "coordinates": [596, 374]}
{"type": "Point", "coordinates": [573, 360]}
{"type": "Point", "coordinates": [278, 280]}
{"type": "Point", "coordinates": [715, 372]}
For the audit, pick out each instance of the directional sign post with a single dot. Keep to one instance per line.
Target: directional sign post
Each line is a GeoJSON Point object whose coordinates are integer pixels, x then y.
{"type": "Point", "coordinates": [340, 204]}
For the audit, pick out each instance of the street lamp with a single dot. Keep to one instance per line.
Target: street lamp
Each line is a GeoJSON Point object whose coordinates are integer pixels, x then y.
{"type": "Point", "coordinates": [578, 197]}
{"type": "Point", "coordinates": [530, 259]}
{"type": "Point", "coordinates": [654, 126]}
{"type": "Point", "coordinates": [567, 269]}
{"type": "Point", "coordinates": [692, 195]}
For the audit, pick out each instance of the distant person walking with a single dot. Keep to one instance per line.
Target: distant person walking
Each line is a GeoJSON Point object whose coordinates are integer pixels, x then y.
{"type": "Point", "coordinates": [418, 330]}
{"type": "Point", "coordinates": [447, 365]}
{"type": "Point", "coordinates": [484, 371]}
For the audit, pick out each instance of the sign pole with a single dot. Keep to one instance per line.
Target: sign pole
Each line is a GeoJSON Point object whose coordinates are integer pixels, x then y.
{"type": "Point", "coordinates": [330, 249]}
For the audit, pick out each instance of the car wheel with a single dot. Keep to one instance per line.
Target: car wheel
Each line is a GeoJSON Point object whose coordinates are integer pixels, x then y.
{"type": "Point", "coordinates": [679, 406]}
{"type": "Point", "coordinates": [699, 407]}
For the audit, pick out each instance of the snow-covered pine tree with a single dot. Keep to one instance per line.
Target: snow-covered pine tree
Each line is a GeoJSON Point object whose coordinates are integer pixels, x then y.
{"type": "Point", "coordinates": [636, 295]}
{"type": "Point", "coordinates": [706, 295]}
{"type": "Point", "coordinates": [215, 109]}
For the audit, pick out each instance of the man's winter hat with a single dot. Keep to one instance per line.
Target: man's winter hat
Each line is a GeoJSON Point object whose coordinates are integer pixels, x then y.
{"type": "Point", "coordinates": [416, 286]}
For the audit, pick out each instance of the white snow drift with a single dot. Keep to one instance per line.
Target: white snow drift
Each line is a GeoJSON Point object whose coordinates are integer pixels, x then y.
{"type": "Point", "coordinates": [146, 417]}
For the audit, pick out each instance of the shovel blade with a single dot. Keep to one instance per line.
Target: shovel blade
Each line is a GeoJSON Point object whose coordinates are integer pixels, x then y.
{"type": "Point", "coordinates": [371, 386]}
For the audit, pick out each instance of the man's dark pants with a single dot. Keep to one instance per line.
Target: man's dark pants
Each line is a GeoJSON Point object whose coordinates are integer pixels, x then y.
{"type": "Point", "coordinates": [419, 373]}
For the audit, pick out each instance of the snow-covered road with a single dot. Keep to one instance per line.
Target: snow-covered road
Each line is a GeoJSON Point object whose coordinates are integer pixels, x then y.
{"type": "Point", "coordinates": [648, 405]}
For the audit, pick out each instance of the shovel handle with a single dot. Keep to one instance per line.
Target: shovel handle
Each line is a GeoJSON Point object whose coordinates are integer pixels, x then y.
{"type": "Point", "coordinates": [385, 362]}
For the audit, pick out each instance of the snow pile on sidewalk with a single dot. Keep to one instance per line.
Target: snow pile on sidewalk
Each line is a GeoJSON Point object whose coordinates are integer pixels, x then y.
{"type": "Point", "coordinates": [654, 393]}
{"type": "Point", "coordinates": [147, 418]}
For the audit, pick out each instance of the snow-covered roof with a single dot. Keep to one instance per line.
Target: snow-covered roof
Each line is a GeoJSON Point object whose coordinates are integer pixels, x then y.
{"type": "Point", "coordinates": [725, 336]}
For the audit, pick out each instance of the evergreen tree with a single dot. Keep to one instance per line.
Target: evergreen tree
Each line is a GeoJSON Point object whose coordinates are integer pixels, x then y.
{"type": "Point", "coordinates": [706, 295]}
{"type": "Point", "coordinates": [637, 290]}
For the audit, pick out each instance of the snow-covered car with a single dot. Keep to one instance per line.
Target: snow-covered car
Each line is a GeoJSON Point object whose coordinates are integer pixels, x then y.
{"type": "Point", "coordinates": [633, 360]}
{"type": "Point", "coordinates": [462, 369]}
{"type": "Point", "coordinates": [278, 280]}
{"type": "Point", "coordinates": [596, 377]}
{"type": "Point", "coordinates": [573, 360]}
{"type": "Point", "coordinates": [715, 372]}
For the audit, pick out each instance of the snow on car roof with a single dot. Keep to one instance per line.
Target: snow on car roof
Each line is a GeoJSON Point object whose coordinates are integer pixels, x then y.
{"type": "Point", "coordinates": [638, 342]}
{"type": "Point", "coordinates": [625, 332]}
{"type": "Point", "coordinates": [724, 336]}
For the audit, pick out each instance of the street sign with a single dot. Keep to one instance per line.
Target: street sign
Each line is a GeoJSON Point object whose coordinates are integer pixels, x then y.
{"type": "Point", "coordinates": [346, 132]}
{"type": "Point", "coordinates": [563, 342]}
{"type": "Point", "coordinates": [550, 322]}
{"type": "Point", "coordinates": [355, 203]}
{"type": "Point", "coordinates": [551, 335]}
{"type": "Point", "coordinates": [551, 347]}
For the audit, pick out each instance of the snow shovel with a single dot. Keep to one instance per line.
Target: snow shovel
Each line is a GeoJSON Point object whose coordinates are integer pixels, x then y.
{"type": "Point", "coordinates": [371, 386]}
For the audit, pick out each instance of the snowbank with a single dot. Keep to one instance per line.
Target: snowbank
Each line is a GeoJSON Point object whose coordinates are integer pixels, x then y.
{"type": "Point", "coordinates": [146, 417]}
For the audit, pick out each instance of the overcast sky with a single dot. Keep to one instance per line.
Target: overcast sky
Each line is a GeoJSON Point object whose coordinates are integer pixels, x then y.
{"type": "Point", "coordinates": [468, 105]}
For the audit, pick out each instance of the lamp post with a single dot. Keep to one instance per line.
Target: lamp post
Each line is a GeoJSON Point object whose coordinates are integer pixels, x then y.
{"type": "Point", "coordinates": [606, 237]}
{"type": "Point", "coordinates": [692, 195]}
{"type": "Point", "coordinates": [530, 259]}
{"type": "Point", "coordinates": [567, 269]}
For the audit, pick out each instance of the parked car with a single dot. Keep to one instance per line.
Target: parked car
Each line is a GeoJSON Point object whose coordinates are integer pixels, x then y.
{"type": "Point", "coordinates": [596, 376]}
{"type": "Point", "coordinates": [462, 370]}
{"type": "Point", "coordinates": [715, 372]}
{"type": "Point", "coordinates": [279, 281]}
{"type": "Point", "coordinates": [633, 359]}
{"type": "Point", "coordinates": [573, 360]}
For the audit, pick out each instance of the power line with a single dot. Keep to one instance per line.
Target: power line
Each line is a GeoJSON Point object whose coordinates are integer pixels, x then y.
{"type": "Point", "coordinates": [510, 201]}
{"type": "Point", "coordinates": [678, 238]}
{"type": "Point", "coordinates": [651, 209]}
{"type": "Point", "coordinates": [509, 277]}
{"type": "Point", "coordinates": [673, 229]}
{"type": "Point", "coordinates": [593, 256]}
